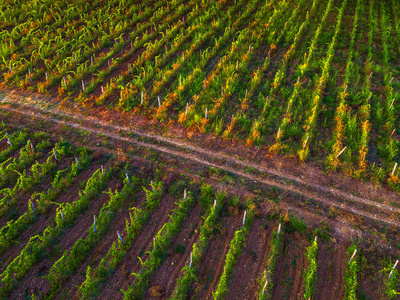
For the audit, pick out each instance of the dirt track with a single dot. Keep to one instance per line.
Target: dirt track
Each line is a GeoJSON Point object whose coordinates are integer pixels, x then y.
{"type": "Point", "coordinates": [280, 178]}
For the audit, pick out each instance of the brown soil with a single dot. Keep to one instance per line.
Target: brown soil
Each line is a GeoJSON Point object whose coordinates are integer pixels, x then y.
{"type": "Point", "coordinates": [290, 267]}
{"type": "Point", "coordinates": [331, 265]}
{"type": "Point", "coordinates": [244, 282]}
{"type": "Point", "coordinates": [123, 277]}
{"type": "Point", "coordinates": [212, 264]}
{"type": "Point", "coordinates": [171, 268]}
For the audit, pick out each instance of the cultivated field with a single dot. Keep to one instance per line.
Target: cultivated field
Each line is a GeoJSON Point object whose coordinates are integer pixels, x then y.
{"type": "Point", "coordinates": [196, 149]}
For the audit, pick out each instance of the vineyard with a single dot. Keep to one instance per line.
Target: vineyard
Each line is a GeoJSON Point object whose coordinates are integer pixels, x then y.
{"type": "Point", "coordinates": [199, 149]}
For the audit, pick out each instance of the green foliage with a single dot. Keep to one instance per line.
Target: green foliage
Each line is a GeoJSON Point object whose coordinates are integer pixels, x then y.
{"type": "Point", "coordinates": [311, 274]}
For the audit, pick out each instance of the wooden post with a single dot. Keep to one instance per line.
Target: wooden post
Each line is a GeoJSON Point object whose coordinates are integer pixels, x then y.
{"type": "Point", "coordinates": [278, 134]}
{"type": "Point", "coordinates": [244, 217]}
{"type": "Point", "coordinates": [394, 168]}
{"type": "Point", "coordinates": [76, 60]}
{"type": "Point", "coordinates": [11, 70]}
{"type": "Point", "coordinates": [215, 203]}
{"type": "Point", "coordinates": [390, 82]}
{"type": "Point", "coordinates": [29, 73]}
{"type": "Point", "coordinates": [77, 161]}
{"type": "Point", "coordinates": [394, 267]}
{"type": "Point", "coordinates": [191, 259]}
{"type": "Point", "coordinates": [340, 153]}
{"type": "Point", "coordinates": [102, 90]}
{"type": "Point", "coordinates": [180, 79]}
{"type": "Point", "coordinates": [316, 238]}
{"type": "Point", "coordinates": [91, 60]}
{"type": "Point", "coordinates": [131, 45]}
{"type": "Point", "coordinates": [206, 113]}
{"type": "Point", "coordinates": [154, 245]}
{"type": "Point", "coordinates": [62, 214]}
{"type": "Point", "coordinates": [141, 99]}
{"type": "Point", "coordinates": [187, 107]}
{"type": "Point", "coordinates": [65, 83]}
{"type": "Point", "coordinates": [102, 170]}
{"type": "Point", "coordinates": [249, 48]}
{"type": "Point", "coordinates": [47, 77]}
{"type": "Point", "coordinates": [159, 101]}
{"type": "Point", "coordinates": [129, 68]}
{"type": "Point", "coordinates": [279, 229]}
{"type": "Point", "coordinates": [83, 86]}
{"type": "Point", "coordinates": [369, 77]}
{"type": "Point", "coordinates": [391, 105]}
{"type": "Point", "coordinates": [352, 257]}
{"type": "Point", "coordinates": [184, 194]}
{"type": "Point", "coordinates": [393, 132]}
{"type": "Point", "coordinates": [94, 223]}
{"type": "Point", "coordinates": [245, 95]}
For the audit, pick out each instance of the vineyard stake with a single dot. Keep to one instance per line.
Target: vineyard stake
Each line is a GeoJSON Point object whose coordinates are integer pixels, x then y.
{"type": "Point", "coordinates": [394, 168]}
{"type": "Point", "coordinates": [187, 107]}
{"type": "Point", "coordinates": [265, 285]}
{"type": "Point", "coordinates": [352, 257]}
{"type": "Point", "coordinates": [91, 60]}
{"type": "Point", "coordinates": [47, 77]}
{"type": "Point", "coordinates": [215, 203]}
{"type": "Point", "coordinates": [369, 77]}
{"type": "Point", "coordinates": [76, 60]}
{"type": "Point", "coordinates": [279, 229]}
{"type": "Point", "coordinates": [159, 102]}
{"type": "Point", "coordinates": [102, 90]}
{"type": "Point", "coordinates": [184, 194]}
{"type": "Point", "coordinates": [245, 95]}
{"type": "Point", "coordinates": [394, 267]}
{"type": "Point", "coordinates": [77, 161]}
{"type": "Point", "coordinates": [83, 86]}
{"type": "Point", "coordinates": [109, 67]}
{"type": "Point", "coordinates": [180, 79]}
{"type": "Point", "coordinates": [55, 155]}
{"type": "Point", "coordinates": [65, 83]}
{"type": "Point", "coordinates": [305, 143]}
{"type": "Point", "coordinates": [62, 214]}
{"type": "Point", "coordinates": [391, 105]}
{"type": "Point", "coordinates": [154, 245]}
{"type": "Point", "coordinates": [120, 238]}
{"type": "Point", "coordinates": [94, 223]}
{"type": "Point", "coordinates": [29, 73]}
{"type": "Point", "coordinates": [33, 207]}
{"type": "Point", "coordinates": [390, 82]}
{"type": "Point", "coordinates": [340, 153]}
{"type": "Point", "coordinates": [191, 259]}
{"type": "Point", "coordinates": [279, 133]}
{"type": "Point", "coordinates": [244, 217]}
{"type": "Point", "coordinates": [127, 177]}
{"type": "Point", "coordinates": [237, 65]}
{"type": "Point", "coordinates": [8, 139]}
{"type": "Point", "coordinates": [222, 91]}
{"type": "Point", "coordinates": [206, 113]}
{"type": "Point", "coordinates": [33, 149]}
{"type": "Point", "coordinates": [393, 132]}
{"type": "Point", "coordinates": [11, 70]}
{"type": "Point", "coordinates": [102, 170]}
{"type": "Point", "coordinates": [141, 99]}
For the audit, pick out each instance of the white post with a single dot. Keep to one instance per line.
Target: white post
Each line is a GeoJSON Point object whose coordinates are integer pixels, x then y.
{"type": "Point", "coordinates": [120, 238]}
{"type": "Point", "coordinates": [206, 113]}
{"type": "Point", "coordinates": [11, 70]}
{"type": "Point", "coordinates": [279, 229]}
{"type": "Point", "coordinates": [390, 82]}
{"type": "Point", "coordinates": [62, 214]}
{"type": "Point", "coordinates": [180, 79]}
{"type": "Point", "coordinates": [94, 223]}
{"type": "Point", "coordinates": [244, 217]}
{"type": "Point", "coordinates": [394, 168]}
{"type": "Point", "coordinates": [340, 153]}
{"type": "Point", "coordinates": [159, 101]}
{"type": "Point", "coordinates": [187, 107]}
{"type": "Point", "coordinates": [316, 238]}
{"type": "Point", "coordinates": [191, 259]}
{"type": "Point", "coordinates": [394, 267]}
{"type": "Point", "coordinates": [305, 143]}
{"type": "Point", "coordinates": [8, 139]}
{"type": "Point", "coordinates": [184, 194]}
{"type": "Point", "coordinates": [127, 177]}
{"type": "Point", "coordinates": [47, 77]}
{"type": "Point", "coordinates": [391, 105]}
{"type": "Point", "coordinates": [32, 148]}
{"type": "Point", "coordinates": [83, 86]}
{"type": "Point", "coordinates": [249, 48]}
{"type": "Point", "coordinates": [141, 99]}
{"type": "Point", "coordinates": [77, 161]}
{"type": "Point", "coordinates": [55, 154]}
{"type": "Point", "coordinates": [154, 245]}
{"type": "Point", "coordinates": [102, 170]}
{"type": "Point", "coordinates": [278, 134]}
{"type": "Point", "coordinates": [352, 257]}
{"type": "Point", "coordinates": [102, 90]}
{"type": "Point", "coordinates": [33, 207]}
{"type": "Point", "coordinates": [265, 285]}
{"type": "Point", "coordinates": [215, 202]}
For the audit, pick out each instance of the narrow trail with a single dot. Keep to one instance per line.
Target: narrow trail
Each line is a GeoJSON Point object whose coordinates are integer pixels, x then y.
{"type": "Point", "coordinates": [208, 158]}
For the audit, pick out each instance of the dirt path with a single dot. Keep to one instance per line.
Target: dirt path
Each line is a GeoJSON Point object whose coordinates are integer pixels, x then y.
{"type": "Point", "coordinates": [231, 164]}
